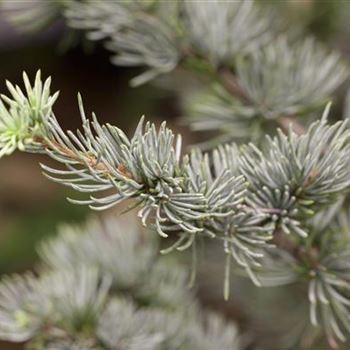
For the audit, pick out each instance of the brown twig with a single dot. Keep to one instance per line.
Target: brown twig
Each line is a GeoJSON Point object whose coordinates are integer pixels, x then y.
{"type": "Point", "coordinates": [231, 84]}
{"type": "Point", "coordinates": [289, 121]}
{"type": "Point", "coordinates": [82, 158]}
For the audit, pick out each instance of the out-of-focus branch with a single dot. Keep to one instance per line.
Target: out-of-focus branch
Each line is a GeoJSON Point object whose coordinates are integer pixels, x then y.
{"type": "Point", "coordinates": [231, 84]}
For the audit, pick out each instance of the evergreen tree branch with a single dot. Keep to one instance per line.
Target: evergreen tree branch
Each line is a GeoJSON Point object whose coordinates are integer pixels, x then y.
{"type": "Point", "coordinates": [250, 198]}
{"type": "Point", "coordinates": [243, 200]}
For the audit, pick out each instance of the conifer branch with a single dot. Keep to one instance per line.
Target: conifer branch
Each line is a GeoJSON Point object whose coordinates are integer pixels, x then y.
{"type": "Point", "coordinates": [242, 200]}
{"type": "Point", "coordinates": [264, 201]}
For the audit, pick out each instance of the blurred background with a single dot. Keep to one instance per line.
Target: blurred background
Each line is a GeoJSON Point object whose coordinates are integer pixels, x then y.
{"type": "Point", "coordinates": [30, 205]}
